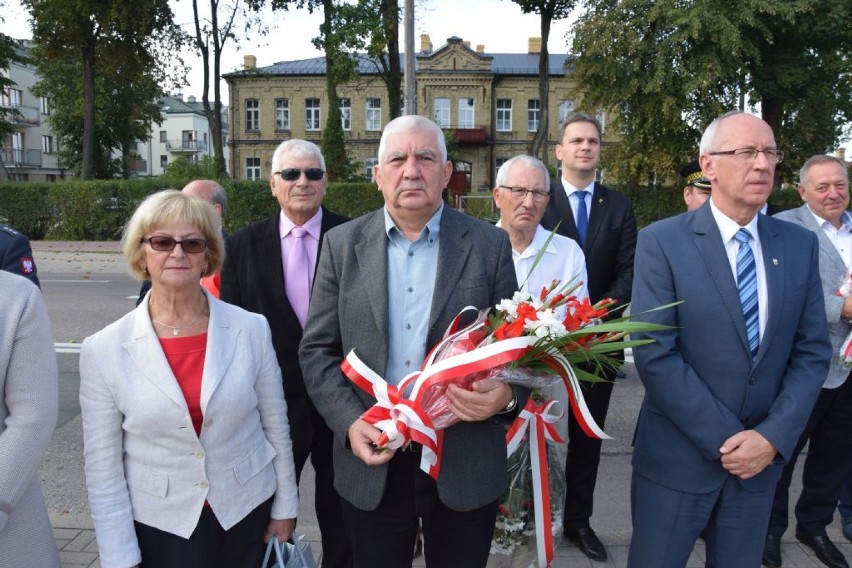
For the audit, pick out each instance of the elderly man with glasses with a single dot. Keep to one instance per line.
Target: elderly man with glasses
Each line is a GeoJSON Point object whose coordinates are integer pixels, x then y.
{"type": "Point", "coordinates": [269, 269]}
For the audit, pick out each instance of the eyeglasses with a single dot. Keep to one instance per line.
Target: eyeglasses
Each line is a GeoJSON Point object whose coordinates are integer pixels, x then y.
{"type": "Point", "coordinates": [773, 156]}
{"type": "Point", "coordinates": [292, 174]}
{"type": "Point", "coordinates": [191, 246]}
{"type": "Point", "coordinates": [521, 193]}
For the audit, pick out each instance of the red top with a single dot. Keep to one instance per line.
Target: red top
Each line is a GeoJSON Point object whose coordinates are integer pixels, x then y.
{"type": "Point", "coordinates": [186, 358]}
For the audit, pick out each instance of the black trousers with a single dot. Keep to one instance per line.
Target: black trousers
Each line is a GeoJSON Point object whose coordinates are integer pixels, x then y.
{"type": "Point", "coordinates": [827, 466]}
{"type": "Point", "coordinates": [385, 537]}
{"type": "Point", "coordinates": [584, 454]}
{"type": "Point", "coordinates": [336, 550]}
{"type": "Point", "coordinates": [209, 545]}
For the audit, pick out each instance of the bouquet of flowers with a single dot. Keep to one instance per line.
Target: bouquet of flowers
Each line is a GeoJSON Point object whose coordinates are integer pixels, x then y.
{"type": "Point", "coordinates": [523, 333]}
{"type": "Point", "coordinates": [845, 291]}
{"type": "Point", "coordinates": [532, 504]}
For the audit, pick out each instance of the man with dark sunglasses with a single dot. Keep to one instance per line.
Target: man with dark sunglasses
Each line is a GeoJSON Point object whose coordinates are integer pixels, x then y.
{"type": "Point", "coordinates": [269, 269]}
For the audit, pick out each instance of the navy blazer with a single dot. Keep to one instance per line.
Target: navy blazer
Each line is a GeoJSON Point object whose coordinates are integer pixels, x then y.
{"type": "Point", "coordinates": [701, 383]}
{"type": "Point", "coordinates": [253, 278]}
{"type": "Point", "coordinates": [349, 310]}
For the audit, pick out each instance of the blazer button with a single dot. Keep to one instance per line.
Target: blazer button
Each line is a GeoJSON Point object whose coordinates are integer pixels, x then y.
{"type": "Point", "coordinates": [203, 485]}
{"type": "Point", "coordinates": [198, 453]}
{"type": "Point", "coordinates": [751, 380]}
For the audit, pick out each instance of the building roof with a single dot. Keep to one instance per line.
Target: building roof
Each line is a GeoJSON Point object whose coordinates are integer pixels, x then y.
{"type": "Point", "coordinates": [501, 64]}
{"type": "Point", "coordinates": [176, 105]}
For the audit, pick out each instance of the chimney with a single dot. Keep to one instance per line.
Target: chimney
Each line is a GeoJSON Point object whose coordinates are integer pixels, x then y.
{"type": "Point", "coordinates": [480, 48]}
{"type": "Point", "coordinates": [534, 45]}
{"type": "Point", "coordinates": [190, 99]}
{"type": "Point", "coordinates": [467, 43]}
{"type": "Point", "coordinates": [178, 96]}
{"type": "Point", "coordinates": [249, 62]}
{"type": "Point", "coordinates": [425, 43]}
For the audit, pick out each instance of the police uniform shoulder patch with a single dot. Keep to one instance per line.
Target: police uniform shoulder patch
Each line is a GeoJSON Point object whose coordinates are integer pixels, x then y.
{"type": "Point", "coordinates": [27, 265]}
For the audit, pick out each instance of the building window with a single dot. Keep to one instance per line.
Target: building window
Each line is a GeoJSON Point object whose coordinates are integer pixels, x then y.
{"type": "Point", "coordinates": [565, 108]}
{"type": "Point", "coordinates": [346, 114]}
{"type": "Point", "coordinates": [369, 163]}
{"type": "Point", "coordinates": [504, 115]}
{"type": "Point", "coordinates": [498, 163]}
{"type": "Point", "coordinates": [163, 136]}
{"type": "Point", "coordinates": [465, 113]}
{"type": "Point", "coordinates": [252, 114]}
{"type": "Point", "coordinates": [11, 98]}
{"type": "Point", "coordinates": [601, 116]}
{"type": "Point", "coordinates": [533, 114]}
{"type": "Point", "coordinates": [44, 103]}
{"type": "Point", "coordinates": [312, 114]}
{"type": "Point", "coordinates": [253, 168]}
{"type": "Point", "coordinates": [164, 161]}
{"type": "Point", "coordinates": [374, 114]}
{"type": "Point", "coordinates": [282, 114]}
{"type": "Point", "coordinates": [47, 144]}
{"type": "Point", "coordinates": [442, 112]}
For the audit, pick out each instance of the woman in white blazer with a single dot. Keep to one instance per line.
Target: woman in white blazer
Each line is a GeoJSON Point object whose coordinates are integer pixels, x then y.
{"type": "Point", "coordinates": [188, 454]}
{"type": "Point", "coordinates": [28, 405]}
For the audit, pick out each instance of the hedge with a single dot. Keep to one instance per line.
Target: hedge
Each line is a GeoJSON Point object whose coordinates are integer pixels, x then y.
{"type": "Point", "coordinates": [97, 210]}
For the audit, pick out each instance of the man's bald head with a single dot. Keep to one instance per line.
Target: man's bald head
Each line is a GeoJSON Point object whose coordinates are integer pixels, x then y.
{"type": "Point", "coordinates": [210, 191]}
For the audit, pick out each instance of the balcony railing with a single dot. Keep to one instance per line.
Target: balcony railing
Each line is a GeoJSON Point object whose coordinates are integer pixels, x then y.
{"type": "Point", "coordinates": [23, 115]}
{"type": "Point", "coordinates": [21, 158]}
{"type": "Point", "coordinates": [474, 135]}
{"type": "Point", "coordinates": [186, 146]}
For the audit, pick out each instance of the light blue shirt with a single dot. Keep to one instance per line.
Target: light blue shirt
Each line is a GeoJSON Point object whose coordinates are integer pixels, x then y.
{"type": "Point", "coordinates": [412, 267]}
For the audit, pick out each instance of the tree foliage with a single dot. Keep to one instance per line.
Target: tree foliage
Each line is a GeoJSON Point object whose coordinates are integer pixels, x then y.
{"type": "Point", "coordinates": [668, 67]}
{"type": "Point", "coordinates": [100, 63]}
{"type": "Point", "coordinates": [10, 53]}
{"type": "Point", "coordinates": [548, 11]}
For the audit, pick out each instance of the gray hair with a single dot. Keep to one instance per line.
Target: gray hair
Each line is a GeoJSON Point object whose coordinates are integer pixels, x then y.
{"type": "Point", "coordinates": [817, 160]}
{"type": "Point", "coordinates": [298, 148]}
{"type": "Point", "coordinates": [530, 162]}
{"type": "Point", "coordinates": [413, 123]}
{"type": "Point", "coordinates": [708, 139]}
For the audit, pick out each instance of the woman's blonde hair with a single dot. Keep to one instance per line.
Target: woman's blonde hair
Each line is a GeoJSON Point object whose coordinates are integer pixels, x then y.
{"type": "Point", "coordinates": [164, 208]}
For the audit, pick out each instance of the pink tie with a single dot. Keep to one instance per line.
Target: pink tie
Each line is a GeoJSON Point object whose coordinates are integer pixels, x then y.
{"type": "Point", "coordinates": [297, 276]}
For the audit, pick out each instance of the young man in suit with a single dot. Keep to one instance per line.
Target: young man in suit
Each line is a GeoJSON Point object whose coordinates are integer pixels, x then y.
{"type": "Point", "coordinates": [388, 286]}
{"type": "Point", "coordinates": [824, 187]}
{"type": "Point", "coordinates": [730, 385]}
{"type": "Point", "coordinates": [603, 224]}
{"type": "Point", "coordinates": [269, 269]}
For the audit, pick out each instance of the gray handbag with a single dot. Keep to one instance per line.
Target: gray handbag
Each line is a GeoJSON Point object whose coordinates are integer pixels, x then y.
{"type": "Point", "coordinates": [292, 554]}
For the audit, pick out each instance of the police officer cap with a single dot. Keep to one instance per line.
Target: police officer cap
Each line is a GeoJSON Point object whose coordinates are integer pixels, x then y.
{"type": "Point", "coordinates": [694, 176]}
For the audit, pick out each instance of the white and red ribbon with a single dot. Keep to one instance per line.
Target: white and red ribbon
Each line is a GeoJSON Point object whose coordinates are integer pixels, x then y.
{"type": "Point", "coordinates": [539, 419]}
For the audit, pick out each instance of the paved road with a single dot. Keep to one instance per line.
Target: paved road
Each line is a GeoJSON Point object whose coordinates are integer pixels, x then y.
{"type": "Point", "coordinates": [86, 286]}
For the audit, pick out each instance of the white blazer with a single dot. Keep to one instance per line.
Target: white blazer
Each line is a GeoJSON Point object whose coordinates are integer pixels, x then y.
{"type": "Point", "coordinates": [144, 461]}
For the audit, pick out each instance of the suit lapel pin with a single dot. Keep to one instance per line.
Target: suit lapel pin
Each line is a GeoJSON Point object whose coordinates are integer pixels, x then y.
{"type": "Point", "coordinates": [775, 261]}
{"type": "Point", "coordinates": [600, 199]}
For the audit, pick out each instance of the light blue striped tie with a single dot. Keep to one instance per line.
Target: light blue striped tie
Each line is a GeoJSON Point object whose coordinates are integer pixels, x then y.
{"type": "Point", "coordinates": [747, 288]}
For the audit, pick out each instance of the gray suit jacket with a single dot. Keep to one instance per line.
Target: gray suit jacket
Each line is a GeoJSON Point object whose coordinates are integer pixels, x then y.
{"type": "Point", "coordinates": [28, 408]}
{"type": "Point", "coordinates": [833, 273]}
{"type": "Point", "coordinates": [349, 310]}
{"type": "Point", "coordinates": [701, 383]}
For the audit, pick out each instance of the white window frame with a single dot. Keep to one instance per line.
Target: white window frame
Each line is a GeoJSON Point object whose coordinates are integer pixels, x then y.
{"type": "Point", "coordinates": [252, 115]}
{"type": "Point", "coordinates": [467, 112]}
{"type": "Point", "coordinates": [373, 114]}
{"type": "Point", "coordinates": [346, 113]}
{"type": "Point", "coordinates": [282, 114]}
{"type": "Point", "coordinates": [253, 168]}
{"type": "Point", "coordinates": [312, 114]}
{"type": "Point", "coordinates": [533, 114]}
{"type": "Point", "coordinates": [44, 105]}
{"type": "Point", "coordinates": [47, 144]}
{"type": "Point", "coordinates": [441, 112]}
{"type": "Point", "coordinates": [503, 117]}
{"type": "Point", "coordinates": [368, 164]}
{"type": "Point", "coordinates": [566, 107]}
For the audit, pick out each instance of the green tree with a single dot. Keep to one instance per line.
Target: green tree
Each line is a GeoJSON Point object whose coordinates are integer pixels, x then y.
{"type": "Point", "coordinates": [668, 67]}
{"type": "Point", "coordinates": [100, 62]}
{"type": "Point", "coordinates": [10, 52]}
{"type": "Point", "coordinates": [548, 11]}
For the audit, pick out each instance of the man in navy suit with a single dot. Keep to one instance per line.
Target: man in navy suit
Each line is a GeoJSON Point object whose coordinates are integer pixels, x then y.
{"type": "Point", "coordinates": [727, 391]}
{"type": "Point", "coordinates": [602, 223]}
{"type": "Point", "coordinates": [253, 277]}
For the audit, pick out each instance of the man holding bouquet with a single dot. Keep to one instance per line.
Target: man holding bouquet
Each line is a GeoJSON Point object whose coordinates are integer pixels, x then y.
{"type": "Point", "coordinates": [824, 187]}
{"type": "Point", "coordinates": [730, 385]}
{"type": "Point", "coordinates": [388, 286]}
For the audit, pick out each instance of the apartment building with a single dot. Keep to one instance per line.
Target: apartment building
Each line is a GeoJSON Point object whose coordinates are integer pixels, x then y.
{"type": "Point", "coordinates": [29, 152]}
{"type": "Point", "coordinates": [184, 132]}
{"type": "Point", "coordinates": [489, 101]}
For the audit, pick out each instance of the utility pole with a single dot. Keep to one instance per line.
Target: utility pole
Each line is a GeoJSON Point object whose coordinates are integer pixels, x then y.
{"type": "Point", "coordinates": [410, 80]}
